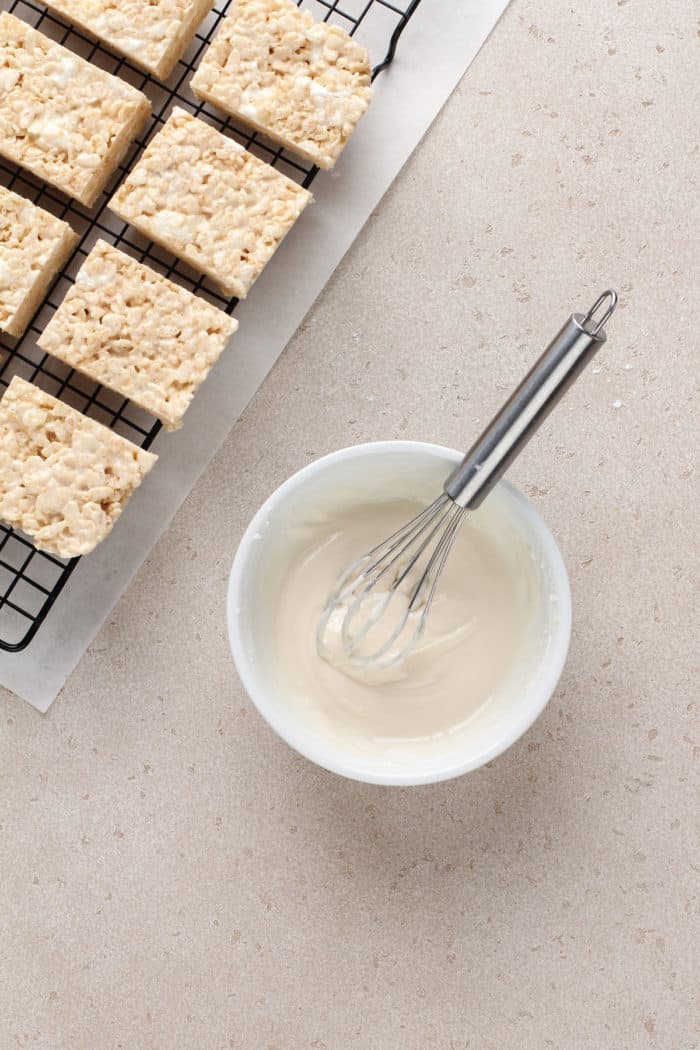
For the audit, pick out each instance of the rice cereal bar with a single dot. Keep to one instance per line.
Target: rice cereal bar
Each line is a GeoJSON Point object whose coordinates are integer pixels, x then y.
{"type": "Point", "coordinates": [61, 118]}
{"type": "Point", "coordinates": [152, 35]}
{"type": "Point", "coordinates": [201, 196]}
{"type": "Point", "coordinates": [34, 245]}
{"type": "Point", "coordinates": [305, 84]}
{"type": "Point", "coordinates": [137, 333]}
{"type": "Point", "coordinates": [64, 478]}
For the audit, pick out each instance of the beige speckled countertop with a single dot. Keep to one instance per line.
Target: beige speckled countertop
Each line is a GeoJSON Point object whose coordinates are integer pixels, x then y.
{"type": "Point", "coordinates": [173, 876]}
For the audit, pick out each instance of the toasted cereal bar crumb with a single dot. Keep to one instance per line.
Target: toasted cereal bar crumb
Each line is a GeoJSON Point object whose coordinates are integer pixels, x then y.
{"type": "Point", "coordinates": [201, 196]}
{"type": "Point", "coordinates": [61, 118]}
{"type": "Point", "coordinates": [136, 332]}
{"type": "Point", "coordinates": [152, 35]}
{"type": "Point", "coordinates": [302, 83]}
{"type": "Point", "coordinates": [34, 245]}
{"type": "Point", "coordinates": [64, 478]}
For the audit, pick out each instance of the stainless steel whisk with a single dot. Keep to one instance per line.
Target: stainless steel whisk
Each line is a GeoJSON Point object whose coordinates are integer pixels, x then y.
{"type": "Point", "coordinates": [405, 569]}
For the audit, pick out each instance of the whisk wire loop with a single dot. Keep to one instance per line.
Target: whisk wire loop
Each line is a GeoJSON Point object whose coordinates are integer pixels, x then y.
{"type": "Point", "coordinates": [427, 527]}
{"type": "Point", "coordinates": [388, 654]}
{"type": "Point", "coordinates": [409, 563]}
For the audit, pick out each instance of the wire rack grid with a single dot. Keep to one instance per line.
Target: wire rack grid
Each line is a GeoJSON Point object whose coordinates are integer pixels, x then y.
{"type": "Point", "coordinates": [32, 580]}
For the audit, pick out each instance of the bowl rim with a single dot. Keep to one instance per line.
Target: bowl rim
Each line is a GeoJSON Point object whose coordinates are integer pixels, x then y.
{"type": "Point", "coordinates": [326, 757]}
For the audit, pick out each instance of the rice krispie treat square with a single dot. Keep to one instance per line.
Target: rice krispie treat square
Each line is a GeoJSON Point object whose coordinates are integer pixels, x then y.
{"type": "Point", "coordinates": [64, 478]}
{"type": "Point", "coordinates": [201, 196]}
{"type": "Point", "coordinates": [34, 245]}
{"type": "Point", "coordinates": [61, 118]}
{"type": "Point", "coordinates": [302, 83]}
{"type": "Point", "coordinates": [137, 333]}
{"type": "Point", "coordinates": [152, 35]}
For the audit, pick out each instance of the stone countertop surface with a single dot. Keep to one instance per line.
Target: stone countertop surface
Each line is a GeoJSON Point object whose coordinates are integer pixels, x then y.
{"type": "Point", "coordinates": [173, 876]}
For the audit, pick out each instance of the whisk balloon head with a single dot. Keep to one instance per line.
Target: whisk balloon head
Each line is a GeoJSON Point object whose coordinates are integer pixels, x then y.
{"type": "Point", "coordinates": [378, 608]}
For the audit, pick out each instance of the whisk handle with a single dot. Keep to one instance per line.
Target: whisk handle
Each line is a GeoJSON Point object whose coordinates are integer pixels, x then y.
{"type": "Point", "coordinates": [541, 389]}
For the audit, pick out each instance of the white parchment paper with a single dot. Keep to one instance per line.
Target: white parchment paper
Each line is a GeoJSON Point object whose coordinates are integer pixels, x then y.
{"type": "Point", "coordinates": [437, 47]}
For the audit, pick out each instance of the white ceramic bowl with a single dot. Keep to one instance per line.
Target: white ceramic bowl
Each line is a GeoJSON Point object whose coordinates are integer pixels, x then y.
{"type": "Point", "coordinates": [401, 469]}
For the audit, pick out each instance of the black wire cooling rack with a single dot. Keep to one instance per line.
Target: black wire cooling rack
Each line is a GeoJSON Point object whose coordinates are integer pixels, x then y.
{"type": "Point", "coordinates": [31, 580]}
